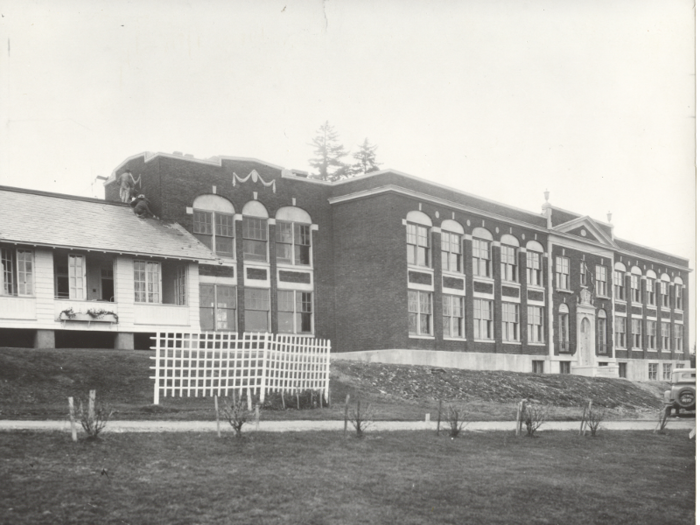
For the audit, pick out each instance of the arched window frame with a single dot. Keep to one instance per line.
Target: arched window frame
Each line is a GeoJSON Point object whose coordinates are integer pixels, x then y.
{"type": "Point", "coordinates": [636, 285]}
{"type": "Point", "coordinates": [451, 244]}
{"type": "Point", "coordinates": [602, 332]}
{"type": "Point", "coordinates": [293, 237]}
{"type": "Point", "coordinates": [212, 224]}
{"type": "Point", "coordinates": [619, 282]}
{"type": "Point", "coordinates": [482, 264]}
{"type": "Point", "coordinates": [534, 264]}
{"type": "Point", "coordinates": [255, 232]}
{"type": "Point", "coordinates": [509, 258]}
{"type": "Point", "coordinates": [418, 248]}
{"type": "Point", "coordinates": [564, 339]}
{"type": "Point", "coordinates": [664, 292]}
{"type": "Point", "coordinates": [651, 288]}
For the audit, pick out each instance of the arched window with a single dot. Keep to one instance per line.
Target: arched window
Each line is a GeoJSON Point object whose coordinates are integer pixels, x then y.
{"type": "Point", "coordinates": [481, 252]}
{"type": "Point", "coordinates": [255, 232]}
{"type": "Point", "coordinates": [663, 290]}
{"type": "Point", "coordinates": [451, 240]}
{"type": "Point", "coordinates": [564, 346]}
{"type": "Point", "coordinates": [509, 258]}
{"type": "Point", "coordinates": [418, 226]}
{"type": "Point", "coordinates": [602, 332]}
{"type": "Point", "coordinates": [636, 284]}
{"type": "Point", "coordinates": [619, 281]}
{"type": "Point", "coordinates": [293, 227]}
{"type": "Point", "coordinates": [534, 263]}
{"type": "Point", "coordinates": [678, 296]}
{"type": "Point", "coordinates": [651, 288]}
{"type": "Point", "coordinates": [212, 223]}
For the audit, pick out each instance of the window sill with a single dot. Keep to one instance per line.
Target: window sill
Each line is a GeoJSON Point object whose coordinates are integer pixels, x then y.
{"type": "Point", "coordinates": [421, 268]}
{"type": "Point", "coordinates": [564, 290]}
{"type": "Point", "coordinates": [510, 283]}
{"type": "Point", "coordinates": [462, 339]}
{"type": "Point", "coordinates": [292, 266]}
{"type": "Point", "coordinates": [447, 273]}
{"type": "Point", "coordinates": [483, 279]}
{"type": "Point", "coordinates": [607, 298]}
{"type": "Point", "coordinates": [484, 341]}
{"type": "Point", "coordinates": [536, 287]}
{"type": "Point", "coordinates": [414, 336]}
{"type": "Point", "coordinates": [512, 342]}
{"type": "Point", "coordinates": [538, 344]}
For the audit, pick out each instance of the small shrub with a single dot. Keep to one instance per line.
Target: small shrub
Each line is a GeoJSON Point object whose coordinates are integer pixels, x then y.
{"type": "Point", "coordinates": [455, 418]}
{"type": "Point", "coordinates": [361, 419]}
{"type": "Point", "coordinates": [95, 422]}
{"type": "Point", "coordinates": [534, 416]}
{"type": "Point", "coordinates": [308, 399]}
{"type": "Point", "coordinates": [236, 413]}
{"type": "Point", "coordinates": [594, 418]}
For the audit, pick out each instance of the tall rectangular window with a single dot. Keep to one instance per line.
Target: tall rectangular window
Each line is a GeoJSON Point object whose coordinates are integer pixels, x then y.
{"type": "Point", "coordinates": [667, 371]}
{"type": "Point", "coordinates": [563, 332]}
{"type": "Point", "coordinates": [665, 336]}
{"type": "Point", "coordinates": [76, 277]}
{"type": "Point", "coordinates": [16, 272]}
{"type": "Point", "coordinates": [511, 321]}
{"type": "Point", "coordinates": [602, 335]}
{"type": "Point", "coordinates": [483, 319]}
{"type": "Point", "coordinates": [653, 371]}
{"type": "Point", "coordinates": [217, 307]}
{"type": "Point", "coordinates": [651, 335]}
{"type": "Point", "coordinates": [293, 243]}
{"type": "Point", "coordinates": [678, 337]}
{"type": "Point", "coordinates": [420, 313]}
{"type": "Point", "coordinates": [255, 240]}
{"type": "Point", "coordinates": [619, 285]}
{"type": "Point", "coordinates": [636, 289]}
{"type": "Point", "coordinates": [564, 367]}
{"type": "Point", "coordinates": [535, 324]}
{"type": "Point", "coordinates": [215, 230]}
{"type": "Point", "coordinates": [562, 273]}
{"type": "Point", "coordinates": [534, 268]}
{"type": "Point", "coordinates": [620, 332]}
{"type": "Point", "coordinates": [636, 333]}
{"type": "Point", "coordinates": [147, 282]}
{"type": "Point", "coordinates": [451, 252]}
{"type": "Point", "coordinates": [582, 274]}
{"type": "Point", "coordinates": [453, 316]}
{"type": "Point", "coordinates": [601, 281]}
{"type": "Point", "coordinates": [294, 312]}
{"type": "Point", "coordinates": [651, 292]}
{"type": "Point", "coordinates": [481, 257]}
{"type": "Point", "coordinates": [538, 366]}
{"type": "Point", "coordinates": [509, 263]}
{"type": "Point", "coordinates": [180, 285]}
{"type": "Point", "coordinates": [257, 310]}
{"type": "Point", "coordinates": [663, 293]}
{"type": "Point", "coordinates": [678, 297]}
{"type": "Point", "coordinates": [622, 370]}
{"type": "Point", "coordinates": [417, 245]}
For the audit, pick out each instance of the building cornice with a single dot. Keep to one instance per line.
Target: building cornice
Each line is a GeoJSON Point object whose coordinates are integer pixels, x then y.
{"type": "Point", "coordinates": [424, 197]}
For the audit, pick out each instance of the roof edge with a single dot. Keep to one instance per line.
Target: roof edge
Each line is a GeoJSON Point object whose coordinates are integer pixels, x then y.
{"type": "Point", "coordinates": [65, 196]}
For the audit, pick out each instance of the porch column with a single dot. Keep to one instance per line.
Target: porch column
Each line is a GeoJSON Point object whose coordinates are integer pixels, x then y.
{"type": "Point", "coordinates": [124, 341]}
{"type": "Point", "coordinates": [44, 339]}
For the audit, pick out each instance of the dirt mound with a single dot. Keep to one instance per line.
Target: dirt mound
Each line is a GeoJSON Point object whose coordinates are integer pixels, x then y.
{"type": "Point", "coordinates": [415, 382]}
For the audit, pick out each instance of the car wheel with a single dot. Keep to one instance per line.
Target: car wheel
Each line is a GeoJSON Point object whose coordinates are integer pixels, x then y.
{"type": "Point", "coordinates": [686, 397]}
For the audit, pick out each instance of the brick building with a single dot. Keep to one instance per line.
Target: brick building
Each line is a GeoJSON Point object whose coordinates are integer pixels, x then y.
{"type": "Point", "coordinates": [394, 268]}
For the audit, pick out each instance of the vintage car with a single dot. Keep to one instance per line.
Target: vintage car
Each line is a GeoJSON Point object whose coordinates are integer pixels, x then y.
{"type": "Point", "coordinates": [682, 393]}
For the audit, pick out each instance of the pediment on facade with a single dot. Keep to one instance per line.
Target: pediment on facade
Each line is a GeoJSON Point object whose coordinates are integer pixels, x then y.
{"type": "Point", "coordinates": [585, 228]}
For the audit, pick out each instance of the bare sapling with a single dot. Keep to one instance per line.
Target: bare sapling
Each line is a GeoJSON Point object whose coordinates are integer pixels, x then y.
{"type": "Point", "coordinates": [361, 419]}
{"type": "Point", "coordinates": [534, 416]}
{"type": "Point", "coordinates": [594, 419]}
{"type": "Point", "coordinates": [663, 418]}
{"type": "Point", "coordinates": [94, 418]}
{"type": "Point", "coordinates": [456, 419]}
{"type": "Point", "coordinates": [236, 413]}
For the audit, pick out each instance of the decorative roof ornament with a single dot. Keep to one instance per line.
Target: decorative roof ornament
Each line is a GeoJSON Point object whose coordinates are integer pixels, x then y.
{"type": "Point", "coordinates": [255, 176]}
{"type": "Point", "coordinates": [546, 195]}
{"type": "Point", "coordinates": [609, 216]}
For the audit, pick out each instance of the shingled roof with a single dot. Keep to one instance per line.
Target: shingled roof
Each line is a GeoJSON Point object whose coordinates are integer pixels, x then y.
{"type": "Point", "coordinates": [65, 221]}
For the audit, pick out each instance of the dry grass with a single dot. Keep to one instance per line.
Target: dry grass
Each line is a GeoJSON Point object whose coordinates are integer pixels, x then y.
{"type": "Point", "coordinates": [34, 384]}
{"type": "Point", "coordinates": [321, 478]}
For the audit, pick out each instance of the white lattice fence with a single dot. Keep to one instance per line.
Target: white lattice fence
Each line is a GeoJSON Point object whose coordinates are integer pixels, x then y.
{"type": "Point", "coordinates": [205, 364]}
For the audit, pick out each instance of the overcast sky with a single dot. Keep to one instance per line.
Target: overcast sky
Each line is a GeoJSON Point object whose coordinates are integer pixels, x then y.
{"type": "Point", "coordinates": [592, 100]}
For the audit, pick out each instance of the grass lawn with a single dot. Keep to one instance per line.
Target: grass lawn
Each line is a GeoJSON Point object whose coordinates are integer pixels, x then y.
{"type": "Point", "coordinates": [35, 384]}
{"type": "Point", "coordinates": [322, 478]}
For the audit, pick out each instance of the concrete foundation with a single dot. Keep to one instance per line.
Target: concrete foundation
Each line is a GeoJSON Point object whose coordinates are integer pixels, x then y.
{"type": "Point", "coordinates": [124, 341]}
{"type": "Point", "coordinates": [44, 339]}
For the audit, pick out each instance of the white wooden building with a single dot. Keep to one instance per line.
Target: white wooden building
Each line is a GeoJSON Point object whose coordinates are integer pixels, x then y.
{"type": "Point", "coordinates": [71, 265]}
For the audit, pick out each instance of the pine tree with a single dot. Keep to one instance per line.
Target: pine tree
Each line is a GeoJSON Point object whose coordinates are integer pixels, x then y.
{"type": "Point", "coordinates": [329, 153]}
{"type": "Point", "coordinates": [366, 158]}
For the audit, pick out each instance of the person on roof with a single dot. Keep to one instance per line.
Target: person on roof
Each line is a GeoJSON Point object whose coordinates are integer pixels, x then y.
{"type": "Point", "coordinates": [127, 185]}
{"type": "Point", "coordinates": [141, 209]}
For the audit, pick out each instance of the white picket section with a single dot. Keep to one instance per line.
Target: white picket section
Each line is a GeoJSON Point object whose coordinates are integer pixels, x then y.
{"type": "Point", "coordinates": [218, 363]}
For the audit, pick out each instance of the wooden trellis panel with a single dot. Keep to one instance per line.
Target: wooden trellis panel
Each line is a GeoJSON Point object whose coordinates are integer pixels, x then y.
{"type": "Point", "coordinates": [204, 364]}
